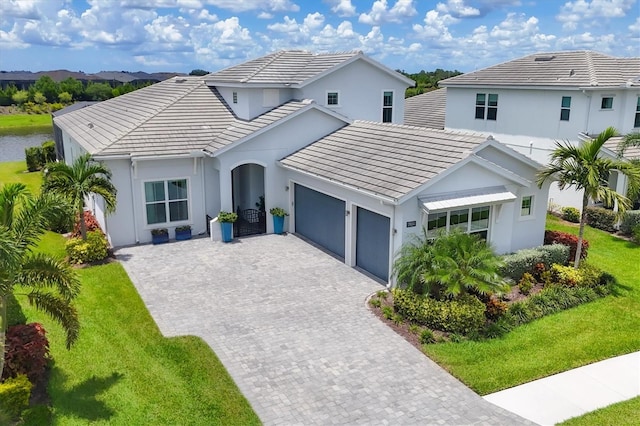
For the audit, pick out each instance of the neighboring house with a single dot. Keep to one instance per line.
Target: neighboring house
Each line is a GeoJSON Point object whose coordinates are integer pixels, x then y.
{"type": "Point", "coordinates": [531, 102]}
{"type": "Point", "coordinates": [427, 109]}
{"type": "Point", "coordinates": [301, 131]}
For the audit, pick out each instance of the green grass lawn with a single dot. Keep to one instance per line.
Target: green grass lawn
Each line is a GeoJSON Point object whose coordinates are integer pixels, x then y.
{"type": "Point", "coordinates": [569, 339]}
{"type": "Point", "coordinates": [16, 171]}
{"type": "Point", "coordinates": [624, 413]}
{"type": "Point", "coordinates": [25, 120]}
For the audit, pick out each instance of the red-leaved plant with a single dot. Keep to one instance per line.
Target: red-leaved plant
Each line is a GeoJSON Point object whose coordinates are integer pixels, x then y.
{"type": "Point", "coordinates": [559, 237]}
{"type": "Point", "coordinates": [27, 351]}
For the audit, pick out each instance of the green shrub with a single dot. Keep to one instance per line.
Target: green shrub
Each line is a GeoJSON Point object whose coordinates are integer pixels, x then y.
{"type": "Point", "coordinates": [571, 214]}
{"type": "Point", "coordinates": [387, 312]}
{"type": "Point", "coordinates": [14, 395]}
{"type": "Point", "coordinates": [601, 218]}
{"type": "Point", "coordinates": [517, 264]}
{"type": "Point", "coordinates": [375, 302]}
{"type": "Point", "coordinates": [556, 253]}
{"type": "Point", "coordinates": [63, 222]}
{"type": "Point", "coordinates": [48, 151]}
{"type": "Point", "coordinates": [635, 234]}
{"type": "Point", "coordinates": [630, 219]}
{"type": "Point", "coordinates": [526, 283]}
{"type": "Point", "coordinates": [427, 337]}
{"type": "Point", "coordinates": [34, 158]}
{"type": "Point", "coordinates": [93, 249]}
{"type": "Point", "coordinates": [586, 275]}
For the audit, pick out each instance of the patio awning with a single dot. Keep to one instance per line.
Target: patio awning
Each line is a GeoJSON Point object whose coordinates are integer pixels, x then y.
{"type": "Point", "coordinates": [483, 196]}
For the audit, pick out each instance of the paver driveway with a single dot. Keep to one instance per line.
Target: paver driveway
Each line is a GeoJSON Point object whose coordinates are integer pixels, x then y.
{"type": "Point", "coordinates": [290, 324]}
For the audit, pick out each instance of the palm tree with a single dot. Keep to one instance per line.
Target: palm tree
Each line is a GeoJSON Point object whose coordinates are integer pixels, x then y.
{"type": "Point", "coordinates": [77, 181]}
{"type": "Point", "coordinates": [49, 284]}
{"type": "Point", "coordinates": [631, 140]}
{"type": "Point", "coordinates": [413, 259]}
{"type": "Point", "coordinates": [583, 167]}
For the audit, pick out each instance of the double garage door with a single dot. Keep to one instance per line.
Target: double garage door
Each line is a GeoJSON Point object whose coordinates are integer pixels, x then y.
{"type": "Point", "coordinates": [321, 219]}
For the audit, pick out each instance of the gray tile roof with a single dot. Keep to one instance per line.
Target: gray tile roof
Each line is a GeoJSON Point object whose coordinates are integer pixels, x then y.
{"type": "Point", "coordinates": [630, 153]}
{"type": "Point", "coordinates": [569, 69]}
{"type": "Point", "coordinates": [388, 160]}
{"type": "Point", "coordinates": [426, 110]}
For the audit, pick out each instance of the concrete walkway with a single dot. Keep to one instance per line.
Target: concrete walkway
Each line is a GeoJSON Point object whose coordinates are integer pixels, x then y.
{"type": "Point", "coordinates": [290, 324]}
{"type": "Point", "coordinates": [575, 392]}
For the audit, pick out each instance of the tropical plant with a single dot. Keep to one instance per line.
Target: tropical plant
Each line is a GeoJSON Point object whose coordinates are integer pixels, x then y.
{"type": "Point", "coordinates": [227, 217]}
{"type": "Point", "coordinates": [584, 168]}
{"type": "Point", "coordinates": [77, 181]}
{"type": "Point", "coordinates": [278, 211]}
{"type": "Point", "coordinates": [631, 140]}
{"type": "Point", "coordinates": [412, 261]}
{"type": "Point", "coordinates": [49, 284]}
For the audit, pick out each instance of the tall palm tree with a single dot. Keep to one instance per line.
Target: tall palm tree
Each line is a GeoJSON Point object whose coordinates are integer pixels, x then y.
{"type": "Point", "coordinates": [49, 284]}
{"type": "Point", "coordinates": [631, 140]}
{"type": "Point", "coordinates": [583, 167]}
{"type": "Point", "coordinates": [77, 181]}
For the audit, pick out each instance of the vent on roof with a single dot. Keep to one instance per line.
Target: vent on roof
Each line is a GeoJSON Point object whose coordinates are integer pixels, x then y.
{"type": "Point", "coordinates": [544, 58]}
{"type": "Point", "coordinates": [180, 80]}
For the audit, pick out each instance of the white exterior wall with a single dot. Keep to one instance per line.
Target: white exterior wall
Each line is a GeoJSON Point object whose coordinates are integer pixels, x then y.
{"type": "Point", "coordinates": [251, 100]}
{"type": "Point", "coordinates": [356, 101]}
{"type": "Point", "coordinates": [120, 225]}
{"type": "Point", "coordinates": [621, 116]}
{"type": "Point", "coordinates": [269, 147]}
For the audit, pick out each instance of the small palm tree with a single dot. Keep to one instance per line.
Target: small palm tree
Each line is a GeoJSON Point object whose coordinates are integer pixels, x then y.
{"type": "Point", "coordinates": [412, 261]}
{"type": "Point", "coordinates": [583, 167]}
{"type": "Point", "coordinates": [631, 140]}
{"type": "Point", "coordinates": [77, 181]}
{"type": "Point", "coordinates": [49, 284]}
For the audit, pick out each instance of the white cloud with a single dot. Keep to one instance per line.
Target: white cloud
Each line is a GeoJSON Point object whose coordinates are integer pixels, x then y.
{"type": "Point", "coordinates": [342, 8]}
{"type": "Point", "coordinates": [380, 12]}
{"type": "Point", "coordinates": [247, 5]}
{"type": "Point", "coordinates": [635, 27]}
{"type": "Point", "coordinates": [574, 13]}
{"type": "Point", "coordinates": [222, 43]}
{"type": "Point", "coordinates": [436, 27]}
{"type": "Point", "coordinates": [265, 15]}
{"type": "Point", "coordinates": [457, 8]}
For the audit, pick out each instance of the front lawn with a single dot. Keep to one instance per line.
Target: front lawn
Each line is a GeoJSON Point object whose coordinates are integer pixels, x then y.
{"type": "Point", "coordinates": [621, 414]}
{"type": "Point", "coordinates": [12, 121]}
{"type": "Point", "coordinates": [569, 339]}
{"type": "Point", "coordinates": [15, 172]}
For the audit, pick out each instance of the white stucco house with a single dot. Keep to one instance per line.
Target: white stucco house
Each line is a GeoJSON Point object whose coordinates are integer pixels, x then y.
{"type": "Point", "coordinates": [320, 135]}
{"type": "Point", "coordinates": [531, 102]}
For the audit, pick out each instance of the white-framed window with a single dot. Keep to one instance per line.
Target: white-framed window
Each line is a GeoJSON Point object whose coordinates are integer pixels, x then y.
{"type": "Point", "coordinates": [565, 108]}
{"type": "Point", "coordinates": [636, 121]}
{"type": "Point", "coordinates": [487, 106]}
{"type": "Point", "coordinates": [270, 97]}
{"type": "Point", "coordinates": [387, 106]}
{"type": "Point", "coordinates": [472, 220]}
{"type": "Point", "coordinates": [166, 201]}
{"type": "Point", "coordinates": [235, 97]}
{"type": "Point", "coordinates": [526, 206]}
{"type": "Point", "coordinates": [333, 98]}
{"type": "Point", "coordinates": [607, 102]}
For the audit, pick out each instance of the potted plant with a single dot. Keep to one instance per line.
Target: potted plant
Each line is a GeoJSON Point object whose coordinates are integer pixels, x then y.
{"type": "Point", "coordinates": [159, 235]}
{"type": "Point", "coordinates": [183, 233]}
{"type": "Point", "coordinates": [278, 214]}
{"type": "Point", "coordinates": [226, 220]}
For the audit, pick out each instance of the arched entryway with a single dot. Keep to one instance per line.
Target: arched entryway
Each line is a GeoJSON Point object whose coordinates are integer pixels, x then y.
{"type": "Point", "coordinates": [247, 182]}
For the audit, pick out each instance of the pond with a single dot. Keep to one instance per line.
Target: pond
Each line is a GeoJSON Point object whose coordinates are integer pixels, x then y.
{"type": "Point", "coordinates": [13, 142]}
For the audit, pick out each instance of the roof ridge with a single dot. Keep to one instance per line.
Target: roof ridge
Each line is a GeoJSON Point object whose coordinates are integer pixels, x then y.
{"type": "Point", "coordinates": [275, 56]}
{"type": "Point", "coordinates": [593, 78]}
{"type": "Point", "coordinates": [155, 114]}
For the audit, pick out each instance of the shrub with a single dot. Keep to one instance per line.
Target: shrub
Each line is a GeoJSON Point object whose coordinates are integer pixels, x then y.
{"type": "Point", "coordinates": [526, 283]}
{"type": "Point", "coordinates": [427, 337]}
{"type": "Point", "coordinates": [90, 221]}
{"type": "Point", "coordinates": [48, 151]}
{"type": "Point", "coordinates": [566, 276]}
{"type": "Point", "coordinates": [14, 395]}
{"type": "Point", "coordinates": [635, 234]}
{"type": "Point", "coordinates": [495, 308]}
{"type": "Point", "coordinates": [516, 264]}
{"type": "Point", "coordinates": [601, 218]}
{"type": "Point", "coordinates": [27, 351]}
{"type": "Point", "coordinates": [630, 219]}
{"type": "Point", "coordinates": [571, 214]}
{"type": "Point", "coordinates": [586, 276]}
{"type": "Point", "coordinates": [64, 221]}
{"type": "Point", "coordinates": [387, 312]}
{"type": "Point", "coordinates": [556, 253]}
{"type": "Point", "coordinates": [397, 319]}
{"type": "Point", "coordinates": [570, 240]}
{"type": "Point", "coordinates": [375, 303]}
{"type": "Point", "coordinates": [94, 248]}
{"type": "Point", "coordinates": [34, 158]}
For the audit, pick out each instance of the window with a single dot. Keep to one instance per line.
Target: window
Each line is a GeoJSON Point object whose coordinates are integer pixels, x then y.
{"type": "Point", "coordinates": [333, 98]}
{"type": "Point", "coordinates": [526, 207]}
{"type": "Point", "coordinates": [607, 102]}
{"type": "Point", "coordinates": [636, 122]}
{"type": "Point", "coordinates": [166, 201]}
{"type": "Point", "coordinates": [471, 220]}
{"type": "Point", "coordinates": [235, 97]}
{"type": "Point", "coordinates": [565, 108]}
{"type": "Point", "coordinates": [387, 107]}
{"type": "Point", "coordinates": [488, 104]}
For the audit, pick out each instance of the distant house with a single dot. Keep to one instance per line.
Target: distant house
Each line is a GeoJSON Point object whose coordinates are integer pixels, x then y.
{"type": "Point", "coordinates": [531, 102]}
{"type": "Point", "coordinates": [320, 135]}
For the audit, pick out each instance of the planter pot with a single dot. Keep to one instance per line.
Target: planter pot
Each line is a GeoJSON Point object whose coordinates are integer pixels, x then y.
{"type": "Point", "coordinates": [160, 239]}
{"type": "Point", "coordinates": [183, 235]}
{"type": "Point", "coordinates": [227, 231]}
{"type": "Point", "coordinates": [278, 224]}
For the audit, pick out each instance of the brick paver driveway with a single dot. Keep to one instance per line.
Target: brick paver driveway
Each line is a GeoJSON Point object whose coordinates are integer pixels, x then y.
{"type": "Point", "coordinates": [290, 324]}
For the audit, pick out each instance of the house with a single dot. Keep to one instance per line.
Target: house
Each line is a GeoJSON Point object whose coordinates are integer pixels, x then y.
{"type": "Point", "coordinates": [299, 130]}
{"type": "Point", "coordinates": [531, 102]}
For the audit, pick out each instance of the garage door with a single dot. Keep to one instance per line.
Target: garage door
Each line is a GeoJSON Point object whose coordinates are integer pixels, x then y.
{"type": "Point", "coordinates": [320, 218]}
{"type": "Point", "coordinates": [372, 243]}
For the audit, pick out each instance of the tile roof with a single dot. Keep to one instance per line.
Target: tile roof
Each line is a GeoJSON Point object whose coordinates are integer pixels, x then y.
{"type": "Point", "coordinates": [426, 110]}
{"type": "Point", "coordinates": [384, 159]}
{"type": "Point", "coordinates": [629, 153]}
{"type": "Point", "coordinates": [568, 69]}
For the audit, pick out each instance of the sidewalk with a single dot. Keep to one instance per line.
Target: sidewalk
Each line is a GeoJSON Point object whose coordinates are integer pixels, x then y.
{"type": "Point", "coordinates": [575, 392]}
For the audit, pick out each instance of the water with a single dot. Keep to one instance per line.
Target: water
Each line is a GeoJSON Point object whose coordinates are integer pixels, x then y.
{"type": "Point", "coordinates": [12, 145]}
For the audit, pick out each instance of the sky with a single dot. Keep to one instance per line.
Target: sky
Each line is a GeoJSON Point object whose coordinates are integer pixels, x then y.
{"type": "Point", "coordinates": [411, 35]}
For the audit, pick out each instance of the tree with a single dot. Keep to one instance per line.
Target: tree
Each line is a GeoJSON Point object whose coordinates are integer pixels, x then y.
{"type": "Point", "coordinates": [98, 91]}
{"type": "Point", "coordinates": [198, 71]}
{"type": "Point", "coordinates": [631, 140]}
{"type": "Point", "coordinates": [77, 181]}
{"type": "Point", "coordinates": [47, 87]}
{"type": "Point", "coordinates": [39, 98]}
{"type": "Point", "coordinates": [20, 97]}
{"type": "Point", "coordinates": [72, 86]}
{"type": "Point", "coordinates": [65, 98]}
{"type": "Point", "coordinates": [584, 168]}
{"type": "Point", "coordinates": [50, 284]}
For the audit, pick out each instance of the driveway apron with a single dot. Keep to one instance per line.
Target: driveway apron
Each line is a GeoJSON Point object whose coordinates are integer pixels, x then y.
{"type": "Point", "coordinates": [290, 324]}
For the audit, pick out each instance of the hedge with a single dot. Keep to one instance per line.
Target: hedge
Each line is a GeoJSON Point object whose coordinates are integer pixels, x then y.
{"type": "Point", "coordinates": [601, 218]}
{"type": "Point", "coordinates": [630, 219]}
{"type": "Point", "coordinates": [570, 240]}
{"type": "Point", "coordinates": [14, 395]}
{"type": "Point", "coordinates": [94, 248]}
{"type": "Point", "coordinates": [517, 264]}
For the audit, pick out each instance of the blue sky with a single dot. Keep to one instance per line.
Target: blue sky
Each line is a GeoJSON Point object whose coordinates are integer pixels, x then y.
{"type": "Point", "coordinates": [181, 35]}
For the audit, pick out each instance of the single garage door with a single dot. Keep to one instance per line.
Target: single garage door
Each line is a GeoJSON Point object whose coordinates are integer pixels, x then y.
{"type": "Point", "coordinates": [320, 218]}
{"type": "Point", "coordinates": [372, 243]}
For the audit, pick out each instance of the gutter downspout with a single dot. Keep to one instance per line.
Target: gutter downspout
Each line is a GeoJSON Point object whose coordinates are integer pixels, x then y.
{"type": "Point", "coordinates": [133, 203]}
{"type": "Point", "coordinates": [586, 122]}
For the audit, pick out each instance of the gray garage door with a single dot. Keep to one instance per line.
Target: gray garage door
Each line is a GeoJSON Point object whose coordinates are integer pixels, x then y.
{"type": "Point", "coordinates": [372, 243]}
{"type": "Point", "coordinates": [320, 218]}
